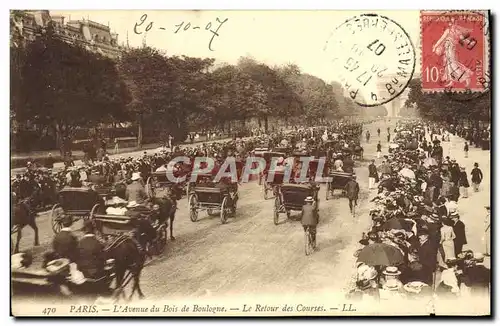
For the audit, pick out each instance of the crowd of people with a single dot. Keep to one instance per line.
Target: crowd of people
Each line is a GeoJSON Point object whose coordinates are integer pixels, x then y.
{"type": "Point", "coordinates": [415, 246]}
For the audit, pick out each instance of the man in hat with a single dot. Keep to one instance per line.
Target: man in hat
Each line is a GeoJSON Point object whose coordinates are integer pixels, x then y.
{"type": "Point", "coordinates": [379, 149]}
{"type": "Point", "coordinates": [463, 182]}
{"type": "Point", "coordinates": [352, 192]}
{"type": "Point", "coordinates": [65, 243]}
{"type": "Point", "coordinates": [136, 191]}
{"type": "Point", "coordinates": [477, 177]}
{"type": "Point", "coordinates": [372, 175]}
{"type": "Point", "coordinates": [91, 256]}
{"type": "Point", "coordinates": [427, 256]}
{"type": "Point", "coordinates": [310, 217]}
{"type": "Point", "coordinates": [459, 230]}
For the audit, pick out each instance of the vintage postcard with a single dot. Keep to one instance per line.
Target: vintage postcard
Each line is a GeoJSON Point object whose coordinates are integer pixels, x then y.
{"type": "Point", "coordinates": [250, 163]}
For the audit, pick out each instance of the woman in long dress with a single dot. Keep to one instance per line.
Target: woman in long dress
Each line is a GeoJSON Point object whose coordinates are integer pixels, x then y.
{"type": "Point", "coordinates": [447, 248]}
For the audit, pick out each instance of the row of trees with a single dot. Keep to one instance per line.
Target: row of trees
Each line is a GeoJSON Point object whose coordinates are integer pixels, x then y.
{"type": "Point", "coordinates": [449, 106]}
{"type": "Point", "coordinates": [58, 88]}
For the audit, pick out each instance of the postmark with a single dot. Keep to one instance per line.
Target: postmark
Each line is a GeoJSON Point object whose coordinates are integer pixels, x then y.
{"type": "Point", "coordinates": [373, 58]}
{"type": "Point", "coordinates": [455, 53]}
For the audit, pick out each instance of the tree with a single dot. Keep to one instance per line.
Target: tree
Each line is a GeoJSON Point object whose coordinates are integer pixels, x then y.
{"type": "Point", "coordinates": [448, 106]}
{"type": "Point", "coordinates": [64, 86]}
{"type": "Point", "coordinates": [165, 90]}
{"type": "Point", "coordinates": [275, 97]}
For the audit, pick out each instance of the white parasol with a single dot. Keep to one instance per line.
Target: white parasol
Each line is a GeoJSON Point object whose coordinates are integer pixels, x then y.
{"type": "Point", "coordinates": [393, 145]}
{"type": "Point", "coordinates": [407, 173]}
{"type": "Point", "coordinates": [429, 162]}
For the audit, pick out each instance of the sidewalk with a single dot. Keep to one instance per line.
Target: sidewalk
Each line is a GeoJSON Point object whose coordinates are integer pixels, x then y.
{"type": "Point", "coordinates": [79, 154]}
{"type": "Point", "coordinates": [133, 152]}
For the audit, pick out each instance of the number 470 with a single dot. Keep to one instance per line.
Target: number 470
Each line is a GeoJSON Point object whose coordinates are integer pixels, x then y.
{"type": "Point", "coordinates": [48, 311]}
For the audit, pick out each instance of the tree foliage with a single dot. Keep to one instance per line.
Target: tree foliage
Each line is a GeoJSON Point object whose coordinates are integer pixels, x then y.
{"type": "Point", "coordinates": [64, 86]}
{"type": "Point", "coordinates": [449, 106]}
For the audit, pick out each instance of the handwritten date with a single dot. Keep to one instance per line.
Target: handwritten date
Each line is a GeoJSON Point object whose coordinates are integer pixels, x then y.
{"type": "Point", "coordinates": [143, 25]}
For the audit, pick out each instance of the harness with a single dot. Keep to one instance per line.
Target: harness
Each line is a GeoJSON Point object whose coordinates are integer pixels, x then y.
{"type": "Point", "coordinates": [118, 240]}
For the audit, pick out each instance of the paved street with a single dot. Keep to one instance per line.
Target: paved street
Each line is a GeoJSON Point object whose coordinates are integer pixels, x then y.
{"type": "Point", "coordinates": [252, 256]}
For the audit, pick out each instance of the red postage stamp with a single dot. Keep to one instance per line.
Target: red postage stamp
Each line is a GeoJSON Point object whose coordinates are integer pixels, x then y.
{"type": "Point", "coordinates": [454, 51]}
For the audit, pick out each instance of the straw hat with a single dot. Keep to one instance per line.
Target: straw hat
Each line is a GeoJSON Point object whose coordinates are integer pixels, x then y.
{"type": "Point", "coordinates": [309, 199]}
{"type": "Point", "coordinates": [391, 271]}
{"type": "Point", "coordinates": [135, 176]}
{"type": "Point", "coordinates": [414, 287]}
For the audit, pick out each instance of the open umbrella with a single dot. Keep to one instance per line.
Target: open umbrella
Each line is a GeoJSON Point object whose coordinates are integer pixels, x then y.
{"type": "Point", "coordinates": [380, 254]}
{"type": "Point", "coordinates": [407, 173]}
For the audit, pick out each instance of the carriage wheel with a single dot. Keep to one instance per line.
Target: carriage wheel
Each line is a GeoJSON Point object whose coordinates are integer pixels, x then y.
{"type": "Point", "coordinates": [97, 226]}
{"type": "Point", "coordinates": [308, 242]}
{"type": "Point", "coordinates": [193, 208]}
{"type": "Point", "coordinates": [161, 241]}
{"type": "Point", "coordinates": [56, 216]}
{"type": "Point", "coordinates": [223, 211]}
{"type": "Point", "coordinates": [94, 211]}
{"type": "Point", "coordinates": [264, 187]}
{"type": "Point", "coordinates": [235, 205]}
{"type": "Point", "coordinates": [276, 210]}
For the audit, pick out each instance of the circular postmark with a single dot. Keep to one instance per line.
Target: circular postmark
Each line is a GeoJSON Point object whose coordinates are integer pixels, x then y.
{"type": "Point", "coordinates": [373, 58]}
{"type": "Point", "coordinates": [455, 53]}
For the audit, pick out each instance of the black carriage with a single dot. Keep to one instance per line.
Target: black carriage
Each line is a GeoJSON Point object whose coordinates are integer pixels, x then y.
{"type": "Point", "coordinates": [272, 181]}
{"type": "Point", "coordinates": [221, 197]}
{"type": "Point", "coordinates": [268, 157]}
{"type": "Point", "coordinates": [101, 185]}
{"type": "Point", "coordinates": [357, 152]}
{"type": "Point", "coordinates": [159, 185]}
{"type": "Point", "coordinates": [55, 282]}
{"type": "Point", "coordinates": [79, 203]}
{"type": "Point", "coordinates": [339, 180]}
{"type": "Point", "coordinates": [292, 197]}
{"type": "Point", "coordinates": [109, 226]}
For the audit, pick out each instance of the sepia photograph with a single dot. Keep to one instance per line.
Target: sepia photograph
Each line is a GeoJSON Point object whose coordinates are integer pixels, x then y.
{"type": "Point", "coordinates": [244, 163]}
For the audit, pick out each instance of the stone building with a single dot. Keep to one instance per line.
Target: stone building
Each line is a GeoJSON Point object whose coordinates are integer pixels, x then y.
{"type": "Point", "coordinates": [95, 37]}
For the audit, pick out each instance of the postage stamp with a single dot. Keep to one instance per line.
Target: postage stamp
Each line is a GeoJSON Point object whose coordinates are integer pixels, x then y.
{"type": "Point", "coordinates": [454, 51]}
{"type": "Point", "coordinates": [373, 57]}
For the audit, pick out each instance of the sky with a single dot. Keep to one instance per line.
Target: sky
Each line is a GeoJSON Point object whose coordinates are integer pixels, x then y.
{"type": "Point", "coordinates": [272, 37]}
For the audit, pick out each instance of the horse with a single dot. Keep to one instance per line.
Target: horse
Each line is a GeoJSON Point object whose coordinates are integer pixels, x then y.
{"type": "Point", "coordinates": [167, 205]}
{"type": "Point", "coordinates": [23, 214]}
{"type": "Point", "coordinates": [128, 256]}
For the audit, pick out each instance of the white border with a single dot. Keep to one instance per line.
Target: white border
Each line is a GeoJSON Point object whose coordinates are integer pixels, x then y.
{"type": "Point", "coordinates": [193, 4]}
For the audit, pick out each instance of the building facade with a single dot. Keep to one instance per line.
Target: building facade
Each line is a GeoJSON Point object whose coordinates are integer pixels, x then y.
{"type": "Point", "coordinates": [26, 25]}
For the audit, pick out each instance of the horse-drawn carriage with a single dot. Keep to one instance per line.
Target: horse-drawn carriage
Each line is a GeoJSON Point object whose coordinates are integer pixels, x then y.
{"type": "Point", "coordinates": [339, 180]}
{"type": "Point", "coordinates": [79, 203]}
{"type": "Point", "coordinates": [56, 279]}
{"type": "Point", "coordinates": [268, 157]}
{"type": "Point", "coordinates": [357, 152]}
{"type": "Point", "coordinates": [213, 197]}
{"type": "Point", "coordinates": [158, 185]}
{"type": "Point", "coordinates": [291, 197]}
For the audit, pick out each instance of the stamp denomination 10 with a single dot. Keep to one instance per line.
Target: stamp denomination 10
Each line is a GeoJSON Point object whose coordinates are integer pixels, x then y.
{"type": "Point", "coordinates": [372, 57]}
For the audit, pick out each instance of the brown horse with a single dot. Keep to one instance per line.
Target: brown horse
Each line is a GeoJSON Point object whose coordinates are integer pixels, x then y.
{"type": "Point", "coordinates": [23, 214]}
